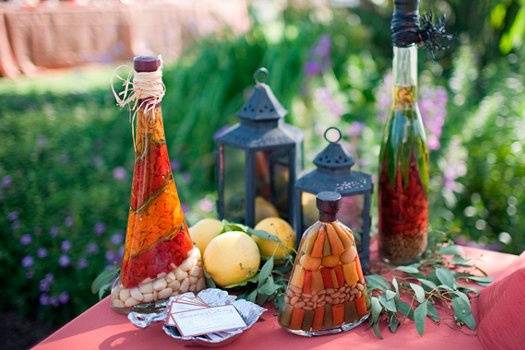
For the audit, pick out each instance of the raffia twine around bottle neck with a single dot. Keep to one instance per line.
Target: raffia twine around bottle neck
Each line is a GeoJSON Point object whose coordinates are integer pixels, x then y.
{"type": "Point", "coordinates": [140, 91]}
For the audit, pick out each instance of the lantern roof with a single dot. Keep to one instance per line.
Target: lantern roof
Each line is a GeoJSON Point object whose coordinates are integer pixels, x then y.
{"type": "Point", "coordinates": [333, 172]}
{"type": "Point", "coordinates": [262, 125]}
{"type": "Point", "coordinates": [333, 156]}
{"type": "Point", "coordinates": [262, 105]}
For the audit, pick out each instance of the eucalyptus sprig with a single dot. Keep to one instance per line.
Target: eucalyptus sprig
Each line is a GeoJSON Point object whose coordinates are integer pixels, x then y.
{"type": "Point", "coordinates": [415, 290]}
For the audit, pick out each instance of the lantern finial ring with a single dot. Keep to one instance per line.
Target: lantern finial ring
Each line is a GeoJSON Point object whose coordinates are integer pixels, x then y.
{"type": "Point", "coordinates": [333, 134]}
{"type": "Point", "coordinates": [261, 75]}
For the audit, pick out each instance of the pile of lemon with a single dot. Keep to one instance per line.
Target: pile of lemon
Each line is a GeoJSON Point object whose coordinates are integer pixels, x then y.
{"type": "Point", "coordinates": [233, 257]}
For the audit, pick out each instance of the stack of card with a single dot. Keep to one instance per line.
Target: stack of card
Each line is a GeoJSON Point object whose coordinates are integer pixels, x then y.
{"type": "Point", "coordinates": [192, 316]}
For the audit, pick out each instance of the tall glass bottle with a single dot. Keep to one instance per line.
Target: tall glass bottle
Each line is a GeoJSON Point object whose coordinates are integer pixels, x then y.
{"type": "Point", "coordinates": [159, 257]}
{"type": "Point", "coordinates": [403, 168]}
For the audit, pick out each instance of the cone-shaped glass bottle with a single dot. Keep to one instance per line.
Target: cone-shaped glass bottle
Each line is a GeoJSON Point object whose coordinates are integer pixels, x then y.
{"type": "Point", "coordinates": [403, 168]}
{"type": "Point", "coordinates": [159, 257]}
{"type": "Point", "coordinates": [327, 291]}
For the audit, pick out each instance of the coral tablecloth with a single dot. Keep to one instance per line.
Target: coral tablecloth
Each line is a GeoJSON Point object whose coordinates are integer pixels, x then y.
{"type": "Point", "coordinates": [100, 328]}
{"type": "Point", "coordinates": [68, 34]}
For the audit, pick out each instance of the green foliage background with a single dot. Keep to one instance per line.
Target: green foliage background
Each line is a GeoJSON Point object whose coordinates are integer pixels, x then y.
{"type": "Point", "coordinates": [62, 139]}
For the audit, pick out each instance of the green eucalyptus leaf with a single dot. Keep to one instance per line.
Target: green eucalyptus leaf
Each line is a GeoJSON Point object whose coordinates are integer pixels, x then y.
{"type": "Point", "coordinates": [432, 312]}
{"type": "Point", "coordinates": [252, 296]}
{"type": "Point", "coordinates": [481, 280]}
{"type": "Point", "coordinates": [376, 309]}
{"type": "Point", "coordinates": [377, 282]}
{"type": "Point", "coordinates": [411, 269]}
{"type": "Point", "coordinates": [420, 313]}
{"type": "Point", "coordinates": [461, 261]}
{"type": "Point", "coordinates": [445, 287]}
{"type": "Point", "coordinates": [377, 331]}
{"type": "Point", "coordinates": [405, 309]}
{"type": "Point", "coordinates": [104, 280]}
{"type": "Point", "coordinates": [463, 296]}
{"type": "Point", "coordinates": [396, 285]}
{"type": "Point", "coordinates": [446, 277]}
{"type": "Point", "coordinates": [389, 304]}
{"type": "Point", "coordinates": [450, 249]}
{"type": "Point", "coordinates": [209, 281]}
{"type": "Point", "coordinates": [266, 271]}
{"type": "Point", "coordinates": [263, 234]}
{"type": "Point", "coordinates": [463, 312]}
{"type": "Point", "coordinates": [428, 284]}
{"type": "Point", "coordinates": [232, 226]}
{"type": "Point", "coordinates": [418, 291]}
{"type": "Point", "coordinates": [394, 323]}
{"type": "Point", "coordinates": [268, 288]}
{"type": "Point", "coordinates": [390, 294]}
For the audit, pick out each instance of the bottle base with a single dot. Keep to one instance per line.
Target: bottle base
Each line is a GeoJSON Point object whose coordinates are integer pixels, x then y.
{"type": "Point", "coordinates": [342, 328]}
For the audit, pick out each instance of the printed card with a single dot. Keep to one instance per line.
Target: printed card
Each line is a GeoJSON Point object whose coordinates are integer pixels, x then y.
{"type": "Point", "coordinates": [206, 320]}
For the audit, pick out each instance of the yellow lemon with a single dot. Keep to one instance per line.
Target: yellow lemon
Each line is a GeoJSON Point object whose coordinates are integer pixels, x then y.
{"type": "Point", "coordinates": [231, 258]}
{"type": "Point", "coordinates": [281, 229]}
{"type": "Point", "coordinates": [204, 231]}
{"type": "Point", "coordinates": [264, 209]}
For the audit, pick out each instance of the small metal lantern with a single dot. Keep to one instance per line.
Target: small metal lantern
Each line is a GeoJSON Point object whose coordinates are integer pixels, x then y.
{"type": "Point", "coordinates": [258, 159]}
{"type": "Point", "coordinates": [334, 173]}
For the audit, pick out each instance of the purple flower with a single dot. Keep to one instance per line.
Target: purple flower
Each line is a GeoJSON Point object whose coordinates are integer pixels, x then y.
{"type": "Point", "coordinates": [6, 181]}
{"type": "Point", "coordinates": [384, 97]}
{"type": "Point", "coordinates": [65, 246]}
{"type": "Point", "coordinates": [63, 297]}
{"type": "Point", "coordinates": [26, 239]}
{"type": "Point", "coordinates": [44, 299]}
{"type": "Point", "coordinates": [12, 216]}
{"type": "Point", "coordinates": [120, 173]}
{"type": "Point", "coordinates": [64, 260]}
{"type": "Point", "coordinates": [41, 252]}
{"type": "Point", "coordinates": [15, 225]}
{"type": "Point", "coordinates": [206, 205]}
{"type": "Point", "coordinates": [100, 228]}
{"type": "Point", "coordinates": [53, 231]}
{"type": "Point", "coordinates": [323, 47]}
{"type": "Point", "coordinates": [121, 252]}
{"type": "Point", "coordinates": [186, 177]}
{"type": "Point", "coordinates": [82, 263]}
{"type": "Point", "coordinates": [319, 60]}
{"type": "Point", "coordinates": [45, 284]}
{"type": "Point", "coordinates": [116, 238]}
{"type": "Point", "coordinates": [68, 221]}
{"type": "Point", "coordinates": [175, 165]}
{"type": "Point", "coordinates": [355, 129]}
{"type": "Point", "coordinates": [27, 261]}
{"type": "Point", "coordinates": [185, 208]}
{"type": "Point", "coordinates": [111, 256]}
{"type": "Point", "coordinates": [312, 68]}
{"type": "Point", "coordinates": [92, 248]}
{"type": "Point", "coordinates": [326, 98]}
{"type": "Point", "coordinates": [54, 301]}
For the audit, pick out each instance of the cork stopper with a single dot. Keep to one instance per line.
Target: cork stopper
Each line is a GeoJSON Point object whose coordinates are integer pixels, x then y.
{"type": "Point", "coordinates": [328, 205]}
{"type": "Point", "coordinates": [146, 64]}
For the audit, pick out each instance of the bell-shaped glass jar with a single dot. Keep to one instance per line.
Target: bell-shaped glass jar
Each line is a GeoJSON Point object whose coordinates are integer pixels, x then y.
{"type": "Point", "coordinates": [327, 290]}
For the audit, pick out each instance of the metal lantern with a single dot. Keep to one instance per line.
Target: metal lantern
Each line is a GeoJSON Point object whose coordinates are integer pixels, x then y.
{"type": "Point", "coordinates": [334, 173]}
{"type": "Point", "coordinates": [258, 159]}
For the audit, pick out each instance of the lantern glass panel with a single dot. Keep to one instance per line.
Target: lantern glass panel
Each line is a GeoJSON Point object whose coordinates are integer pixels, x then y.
{"type": "Point", "coordinates": [234, 184]}
{"type": "Point", "coordinates": [310, 211]}
{"type": "Point", "coordinates": [351, 213]}
{"type": "Point", "coordinates": [272, 179]}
